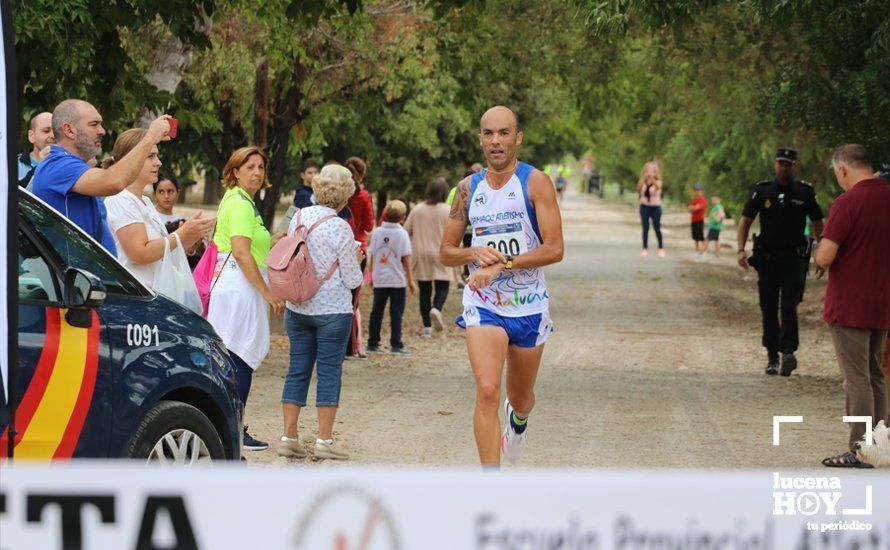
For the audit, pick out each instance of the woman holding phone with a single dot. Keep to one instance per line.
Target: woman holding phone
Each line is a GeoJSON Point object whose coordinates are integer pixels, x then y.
{"type": "Point", "coordinates": [650, 186]}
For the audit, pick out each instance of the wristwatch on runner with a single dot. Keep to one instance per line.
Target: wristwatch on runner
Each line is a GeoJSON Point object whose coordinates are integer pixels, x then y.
{"type": "Point", "coordinates": [508, 266]}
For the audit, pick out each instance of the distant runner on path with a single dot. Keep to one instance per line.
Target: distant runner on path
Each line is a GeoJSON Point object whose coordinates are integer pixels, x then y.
{"type": "Point", "coordinates": [517, 229]}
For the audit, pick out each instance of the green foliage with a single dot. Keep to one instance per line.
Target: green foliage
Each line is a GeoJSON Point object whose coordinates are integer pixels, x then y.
{"type": "Point", "coordinates": [74, 49]}
{"type": "Point", "coordinates": [710, 87]}
{"type": "Point", "coordinates": [839, 88]}
{"type": "Point", "coordinates": [713, 87]}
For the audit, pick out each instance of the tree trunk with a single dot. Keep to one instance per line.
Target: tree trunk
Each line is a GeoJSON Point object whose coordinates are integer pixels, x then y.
{"type": "Point", "coordinates": [261, 117]}
{"type": "Point", "coordinates": [167, 68]}
{"type": "Point", "coordinates": [382, 197]}
{"type": "Point", "coordinates": [212, 188]}
{"type": "Point", "coordinates": [288, 111]}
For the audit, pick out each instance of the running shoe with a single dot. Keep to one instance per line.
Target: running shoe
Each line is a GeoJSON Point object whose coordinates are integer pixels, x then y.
{"type": "Point", "coordinates": [436, 319]}
{"type": "Point", "coordinates": [661, 253]}
{"type": "Point", "coordinates": [645, 252]}
{"type": "Point", "coordinates": [512, 443]}
{"type": "Point", "coordinates": [330, 449]}
{"type": "Point", "coordinates": [400, 351]}
{"type": "Point", "coordinates": [426, 332]}
{"type": "Point", "coordinates": [374, 349]}
{"type": "Point", "coordinates": [253, 444]}
{"type": "Point", "coordinates": [773, 366]}
{"type": "Point", "coordinates": [291, 448]}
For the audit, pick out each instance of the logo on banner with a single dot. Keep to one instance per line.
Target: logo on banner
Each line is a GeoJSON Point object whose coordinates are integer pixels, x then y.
{"type": "Point", "coordinates": [822, 495]}
{"type": "Point", "coordinates": [346, 518]}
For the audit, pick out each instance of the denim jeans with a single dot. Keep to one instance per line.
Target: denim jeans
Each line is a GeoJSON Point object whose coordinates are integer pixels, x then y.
{"type": "Point", "coordinates": [243, 377]}
{"type": "Point", "coordinates": [653, 212]}
{"type": "Point", "coordinates": [396, 297]}
{"type": "Point", "coordinates": [320, 341]}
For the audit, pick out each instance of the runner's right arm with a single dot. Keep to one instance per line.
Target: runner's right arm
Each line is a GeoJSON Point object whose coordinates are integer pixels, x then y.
{"type": "Point", "coordinates": [450, 252]}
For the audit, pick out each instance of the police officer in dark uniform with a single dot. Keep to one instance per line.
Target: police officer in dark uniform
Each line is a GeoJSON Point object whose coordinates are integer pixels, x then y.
{"type": "Point", "coordinates": [779, 252]}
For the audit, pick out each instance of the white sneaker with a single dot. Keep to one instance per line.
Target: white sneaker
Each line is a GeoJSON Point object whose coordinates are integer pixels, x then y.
{"type": "Point", "coordinates": [426, 332]}
{"type": "Point", "coordinates": [436, 318]}
{"type": "Point", "coordinates": [291, 448]}
{"type": "Point", "coordinates": [332, 449]}
{"type": "Point", "coordinates": [512, 443]}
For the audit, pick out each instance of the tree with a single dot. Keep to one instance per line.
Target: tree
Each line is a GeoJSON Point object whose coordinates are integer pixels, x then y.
{"type": "Point", "coordinates": [813, 60]}
{"type": "Point", "coordinates": [390, 83]}
{"type": "Point", "coordinates": [75, 49]}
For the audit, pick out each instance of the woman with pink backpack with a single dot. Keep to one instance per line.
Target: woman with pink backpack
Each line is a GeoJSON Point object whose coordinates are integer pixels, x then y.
{"type": "Point", "coordinates": [316, 267]}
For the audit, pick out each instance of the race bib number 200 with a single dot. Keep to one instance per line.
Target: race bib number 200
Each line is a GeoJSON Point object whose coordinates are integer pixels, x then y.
{"type": "Point", "coordinates": [508, 238]}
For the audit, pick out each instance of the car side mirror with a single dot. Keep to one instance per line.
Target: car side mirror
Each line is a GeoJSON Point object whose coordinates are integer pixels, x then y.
{"type": "Point", "coordinates": [83, 292]}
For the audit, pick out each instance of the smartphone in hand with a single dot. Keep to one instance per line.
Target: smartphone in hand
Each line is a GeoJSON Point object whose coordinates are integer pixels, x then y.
{"type": "Point", "coordinates": [174, 127]}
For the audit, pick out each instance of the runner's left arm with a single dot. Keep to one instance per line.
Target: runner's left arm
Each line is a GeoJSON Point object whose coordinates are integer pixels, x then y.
{"type": "Point", "coordinates": [543, 199]}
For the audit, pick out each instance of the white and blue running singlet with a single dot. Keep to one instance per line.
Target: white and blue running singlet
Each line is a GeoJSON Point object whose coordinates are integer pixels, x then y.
{"type": "Point", "coordinates": [504, 219]}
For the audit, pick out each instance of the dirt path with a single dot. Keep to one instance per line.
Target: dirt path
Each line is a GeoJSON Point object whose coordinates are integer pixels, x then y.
{"type": "Point", "coordinates": [654, 363]}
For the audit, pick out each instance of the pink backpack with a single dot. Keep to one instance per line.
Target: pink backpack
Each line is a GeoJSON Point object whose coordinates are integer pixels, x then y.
{"type": "Point", "coordinates": [291, 272]}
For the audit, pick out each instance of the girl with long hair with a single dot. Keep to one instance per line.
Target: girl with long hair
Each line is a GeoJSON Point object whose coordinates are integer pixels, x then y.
{"type": "Point", "coordinates": [649, 186]}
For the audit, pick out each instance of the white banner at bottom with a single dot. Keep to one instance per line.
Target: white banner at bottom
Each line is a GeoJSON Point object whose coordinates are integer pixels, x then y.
{"type": "Point", "coordinates": [125, 505]}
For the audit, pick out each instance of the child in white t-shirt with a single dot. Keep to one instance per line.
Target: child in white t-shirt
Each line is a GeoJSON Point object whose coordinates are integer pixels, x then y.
{"type": "Point", "coordinates": [389, 254]}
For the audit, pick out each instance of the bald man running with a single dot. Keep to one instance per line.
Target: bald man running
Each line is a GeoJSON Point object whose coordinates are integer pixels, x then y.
{"type": "Point", "coordinates": [517, 229]}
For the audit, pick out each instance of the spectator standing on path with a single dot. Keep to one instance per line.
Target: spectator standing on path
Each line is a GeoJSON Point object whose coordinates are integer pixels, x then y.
{"type": "Point", "coordinates": [562, 181]}
{"type": "Point", "coordinates": [141, 238]}
{"type": "Point", "coordinates": [698, 206]}
{"type": "Point", "coordinates": [304, 198]}
{"type": "Point", "coordinates": [855, 248]}
{"type": "Point", "coordinates": [360, 203]}
{"type": "Point", "coordinates": [240, 297]}
{"type": "Point", "coordinates": [362, 209]}
{"type": "Point", "coordinates": [40, 136]}
{"type": "Point", "coordinates": [650, 187]}
{"type": "Point", "coordinates": [426, 225]}
{"type": "Point", "coordinates": [319, 328]}
{"type": "Point", "coordinates": [390, 258]}
{"type": "Point", "coordinates": [65, 180]}
{"type": "Point", "coordinates": [715, 225]}
{"type": "Point", "coordinates": [784, 204]}
{"type": "Point", "coordinates": [166, 194]}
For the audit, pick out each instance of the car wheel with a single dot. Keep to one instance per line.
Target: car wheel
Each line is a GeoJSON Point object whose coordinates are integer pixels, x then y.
{"type": "Point", "coordinates": [176, 433]}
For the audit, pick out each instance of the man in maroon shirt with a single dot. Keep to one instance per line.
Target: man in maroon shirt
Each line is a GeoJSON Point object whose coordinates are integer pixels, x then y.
{"type": "Point", "coordinates": [855, 246]}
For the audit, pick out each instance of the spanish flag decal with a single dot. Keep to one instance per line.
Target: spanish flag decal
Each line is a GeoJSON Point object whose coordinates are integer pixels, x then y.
{"type": "Point", "coordinates": [53, 410]}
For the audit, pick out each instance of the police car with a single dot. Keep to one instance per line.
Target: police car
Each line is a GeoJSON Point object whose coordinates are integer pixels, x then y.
{"type": "Point", "coordinates": [107, 367]}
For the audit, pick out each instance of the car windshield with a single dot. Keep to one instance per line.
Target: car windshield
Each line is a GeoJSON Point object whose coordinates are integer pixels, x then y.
{"type": "Point", "coordinates": [75, 250]}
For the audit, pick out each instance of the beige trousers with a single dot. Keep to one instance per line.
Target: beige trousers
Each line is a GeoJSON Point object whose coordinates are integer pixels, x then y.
{"type": "Point", "coordinates": [860, 354]}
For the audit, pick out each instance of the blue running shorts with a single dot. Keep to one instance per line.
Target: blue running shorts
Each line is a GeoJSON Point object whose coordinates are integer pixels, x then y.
{"type": "Point", "coordinates": [525, 332]}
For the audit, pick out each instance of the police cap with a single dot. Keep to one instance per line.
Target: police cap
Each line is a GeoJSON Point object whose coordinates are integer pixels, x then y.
{"type": "Point", "coordinates": [788, 154]}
